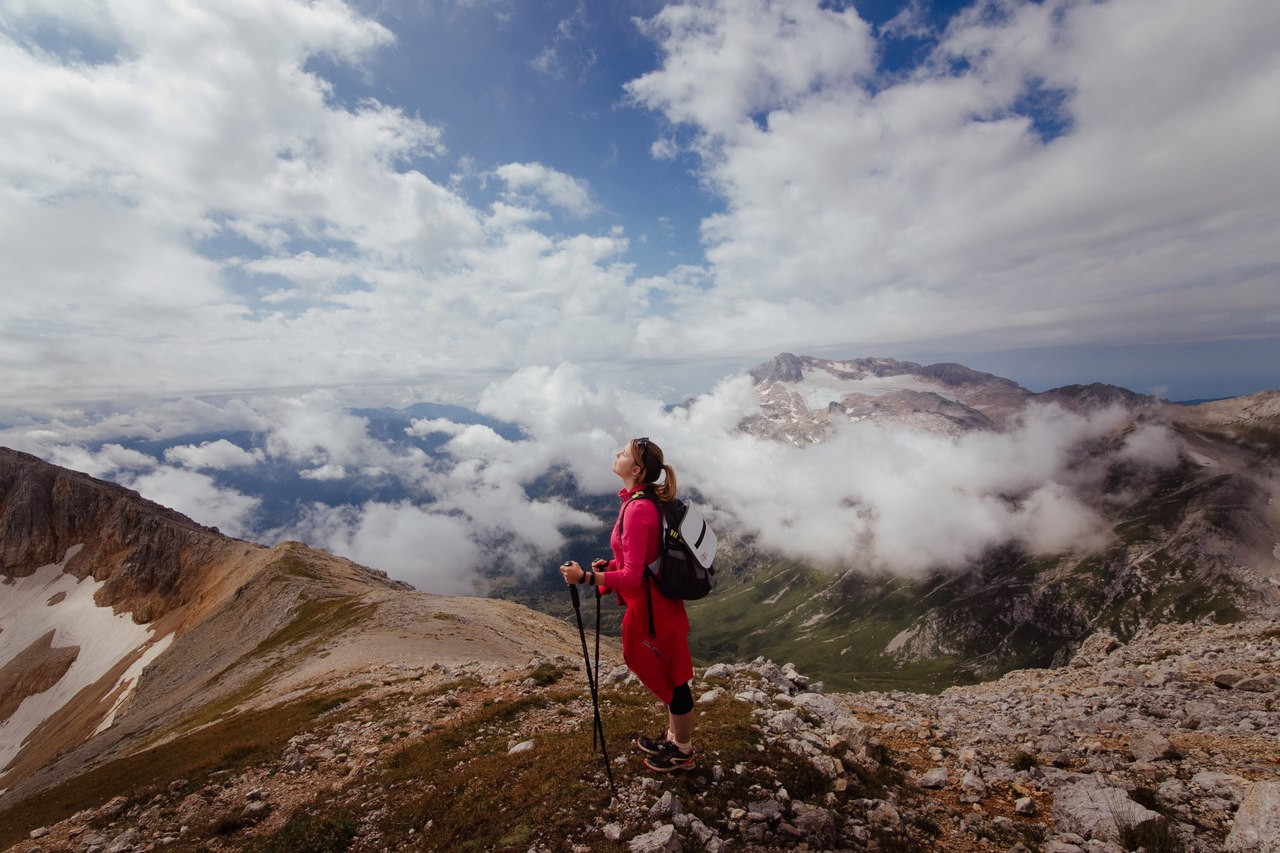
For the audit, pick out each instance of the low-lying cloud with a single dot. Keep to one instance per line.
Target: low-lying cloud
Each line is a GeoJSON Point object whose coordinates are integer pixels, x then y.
{"type": "Point", "coordinates": [869, 498]}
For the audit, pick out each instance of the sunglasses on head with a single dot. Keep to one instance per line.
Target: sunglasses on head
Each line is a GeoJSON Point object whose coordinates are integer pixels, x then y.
{"type": "Point", "coordinates": [642, 444]}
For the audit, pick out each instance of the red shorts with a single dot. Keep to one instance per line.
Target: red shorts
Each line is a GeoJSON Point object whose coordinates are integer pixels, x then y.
{"type": "Point", "coordinates": [662, 662]}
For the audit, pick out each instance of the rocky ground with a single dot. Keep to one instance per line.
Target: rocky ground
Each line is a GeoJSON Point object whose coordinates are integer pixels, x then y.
{"type": "Point", "coordinates": [1169, 742]}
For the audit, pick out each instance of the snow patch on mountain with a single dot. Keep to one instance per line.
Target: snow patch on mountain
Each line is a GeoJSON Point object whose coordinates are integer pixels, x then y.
{"type": "Point", "coordinates": [51, 600]}
{"type": "Point", "coordinates": [820, 387]}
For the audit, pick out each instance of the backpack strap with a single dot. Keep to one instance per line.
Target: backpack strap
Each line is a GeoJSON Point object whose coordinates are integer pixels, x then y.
{"type": "Point", "coordinates": [646, 493]}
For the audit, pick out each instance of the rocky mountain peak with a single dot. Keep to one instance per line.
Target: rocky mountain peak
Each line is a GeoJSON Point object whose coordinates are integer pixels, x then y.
{"type": "Point", "coordinates": [146, 554]}
{"type": "Point", "coordinates": [783, 367]}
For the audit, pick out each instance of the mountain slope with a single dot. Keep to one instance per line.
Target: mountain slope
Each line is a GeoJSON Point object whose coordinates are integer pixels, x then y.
{"type": "Point", "coordinates": [124, 624]}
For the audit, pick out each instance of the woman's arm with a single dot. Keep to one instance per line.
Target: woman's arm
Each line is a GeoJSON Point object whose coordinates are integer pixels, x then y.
{"type": "Point", "coordinates": [640, 530]}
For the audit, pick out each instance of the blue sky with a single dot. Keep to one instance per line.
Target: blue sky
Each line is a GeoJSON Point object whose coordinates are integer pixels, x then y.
{"type": "Point", "coordinates": [428, 196]}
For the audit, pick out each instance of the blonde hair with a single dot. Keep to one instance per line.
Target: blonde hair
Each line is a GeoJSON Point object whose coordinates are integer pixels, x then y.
{"type": "Point", "coordinates": [652, 454]}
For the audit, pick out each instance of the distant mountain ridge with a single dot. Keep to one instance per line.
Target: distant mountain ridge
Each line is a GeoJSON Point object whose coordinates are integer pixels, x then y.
{"type": "Point", "coordinates": [1197, 540]}
{"type": "Point", "coordinates": [802, 396]}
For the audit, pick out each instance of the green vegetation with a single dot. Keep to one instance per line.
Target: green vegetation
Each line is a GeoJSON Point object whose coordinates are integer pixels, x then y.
{"type": "Point", "coordinates": [546, 674]}
{"type": "Point", "coordinates": [501, 801]}
{"type": "Point", "coordinates": [311, 830]}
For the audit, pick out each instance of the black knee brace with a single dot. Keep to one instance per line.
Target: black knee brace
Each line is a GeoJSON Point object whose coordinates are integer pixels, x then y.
{"type": "Point", "coordinates": [681, 700]}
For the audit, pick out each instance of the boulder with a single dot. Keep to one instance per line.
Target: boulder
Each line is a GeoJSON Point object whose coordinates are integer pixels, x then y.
{"type": "Point", "coordinates": [661, 840]}
{"type": "Point", "coordinates": [1095, 811]}
{"type": "Point", "coordinates": [1257, 823]}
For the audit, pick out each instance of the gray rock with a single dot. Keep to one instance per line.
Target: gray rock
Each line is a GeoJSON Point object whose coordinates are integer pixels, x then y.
{"type": "Point", "coordinates": [701, 832]}
{"type": "Point", "coordinates": [522, 746]}
{"type": "Point", "coordinates": [816, 824]}
{"type": "Point", "coordinates": [1257, 823]}
{"type": "Point", "coordinates": [661, 840]}
{"type": "Point", "coordinates": [1221, 785]}
{"type": "Point", "coordinates": [1096, 646]}
{"type": "Point", "coordinates": [719, 670]}
{"type": "Point", "coordinates": [1257, 684]}
{"type": "Point", "coordinates": [972, 788]}
{"type": "Point", "coordinates": [1025, 806]}
{"type": "Point", "coordinates": [38, 833]}
{"type": "Point", "coordinates": [1096, 811]}
{"type": "Point", "coordinates": [768, 810]}
{"type": "Point", "coordinates": [126, 840]}
{"type": "Point", "coordinates": [884, 816]}
{"type": "Point", "coordinates": [667, 806]}
{"type": "Point", "coordinates": [1227, 678]}
{"type": "Point", "coordinates": [1152, 746]}
{"type": "Point", "coordinates": [934, 778]}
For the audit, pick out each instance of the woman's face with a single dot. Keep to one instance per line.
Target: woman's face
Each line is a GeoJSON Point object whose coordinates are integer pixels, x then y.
{"type": "Point", "coordinates": [624, 464]}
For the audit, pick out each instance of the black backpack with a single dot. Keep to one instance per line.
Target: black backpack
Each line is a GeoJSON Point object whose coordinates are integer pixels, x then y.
{"type": "Point", "coordinates": [685, 567]}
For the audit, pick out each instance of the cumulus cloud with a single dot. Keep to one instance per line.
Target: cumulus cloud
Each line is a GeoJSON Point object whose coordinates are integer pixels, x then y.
{"type": "Point", "coordinates": [869, 498]}
{"type": "Point", "coordinates": [432, 551]}
{"type": "Point", "coordinates": [874, 498]}
{"type": "Point", "coordinates": [1050, 173]}
{"type": "Point", "coordinates": [198, 496]}
{"type": "Point", "coordinates": [107, 460]}
{"type": "Point", "coordinates": [1085, 166]}
{"type": "Point", "coordinates": [230, 214]}
{"type": "Point", "coordinates": [544, 183]}
{"type": "Point", "coordinates": [220, 454]}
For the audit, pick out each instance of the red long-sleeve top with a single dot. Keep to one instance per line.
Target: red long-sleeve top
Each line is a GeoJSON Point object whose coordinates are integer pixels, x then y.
{"type": "Point", "coordinates": [636, 547]}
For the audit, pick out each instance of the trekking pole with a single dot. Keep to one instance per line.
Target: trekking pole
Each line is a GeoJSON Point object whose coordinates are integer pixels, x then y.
{"type": "Point", "coordinates": [596, 680]}
{"type": "Point", "coordinates": [591, 682]}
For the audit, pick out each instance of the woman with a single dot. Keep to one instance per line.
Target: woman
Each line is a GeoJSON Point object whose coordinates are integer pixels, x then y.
{"type": "Point", "coordinates": [661, 661]}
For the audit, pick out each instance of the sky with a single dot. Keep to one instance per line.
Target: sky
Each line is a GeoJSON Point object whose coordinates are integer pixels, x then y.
{"type": "Point", "coordinates": [418, 199]}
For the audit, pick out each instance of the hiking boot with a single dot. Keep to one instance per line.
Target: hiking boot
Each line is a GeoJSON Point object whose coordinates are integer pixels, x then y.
{"type": "Point", "coordinates": [670, 759]}
{"type": "Point", "coordinates": [652, 746]}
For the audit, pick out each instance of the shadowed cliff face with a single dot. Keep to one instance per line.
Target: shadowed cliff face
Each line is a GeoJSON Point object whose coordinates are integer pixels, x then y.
{"type": "Point", "coordinates": [144, 552]}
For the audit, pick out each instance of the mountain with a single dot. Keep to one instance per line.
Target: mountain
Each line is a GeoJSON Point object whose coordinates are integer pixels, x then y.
{"type": "Point", "coordinates": [1191, 540]}
{"type": "Point", "coordinates": [124, 624]}
{"type": "Point", "coordinates": [285, 699]}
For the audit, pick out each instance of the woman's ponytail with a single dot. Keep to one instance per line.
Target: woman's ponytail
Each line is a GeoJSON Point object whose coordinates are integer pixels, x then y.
{"type": "Point", "coordinates": [667, 488]}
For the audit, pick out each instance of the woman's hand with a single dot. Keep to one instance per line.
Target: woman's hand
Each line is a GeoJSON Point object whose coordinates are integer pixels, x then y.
{"type": "Point", "coordinates": [571, 572]}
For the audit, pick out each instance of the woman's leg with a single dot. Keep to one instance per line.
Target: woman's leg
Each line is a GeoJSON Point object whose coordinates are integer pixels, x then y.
{"type": "Point", "coordinates": [680, 717]}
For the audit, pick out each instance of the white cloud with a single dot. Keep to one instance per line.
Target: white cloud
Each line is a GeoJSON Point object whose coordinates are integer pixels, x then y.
{"type": "Point", "coordinates": [542, 182]}
{"type": "Point", "coordinates": [905, 209]}
{"type": "Point", "coordinates": [427, 426]}
{"type": "Point", "coordinates": [725, 60]}
{"type": "Point", "coordinates": [219, 455]}
{"type": "Point", "coordinates": [240, 221]}
{"type": "Point", "coordinates": [868, 498]}
{"type": "Point", "coordinates": [1151, 444]}
{"type": "Point", "coordinates": [199, 497]}
{"type": "Point", "coordinates": [432, 551]}
{"type": "Point", "coordinates": [106, 461]}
